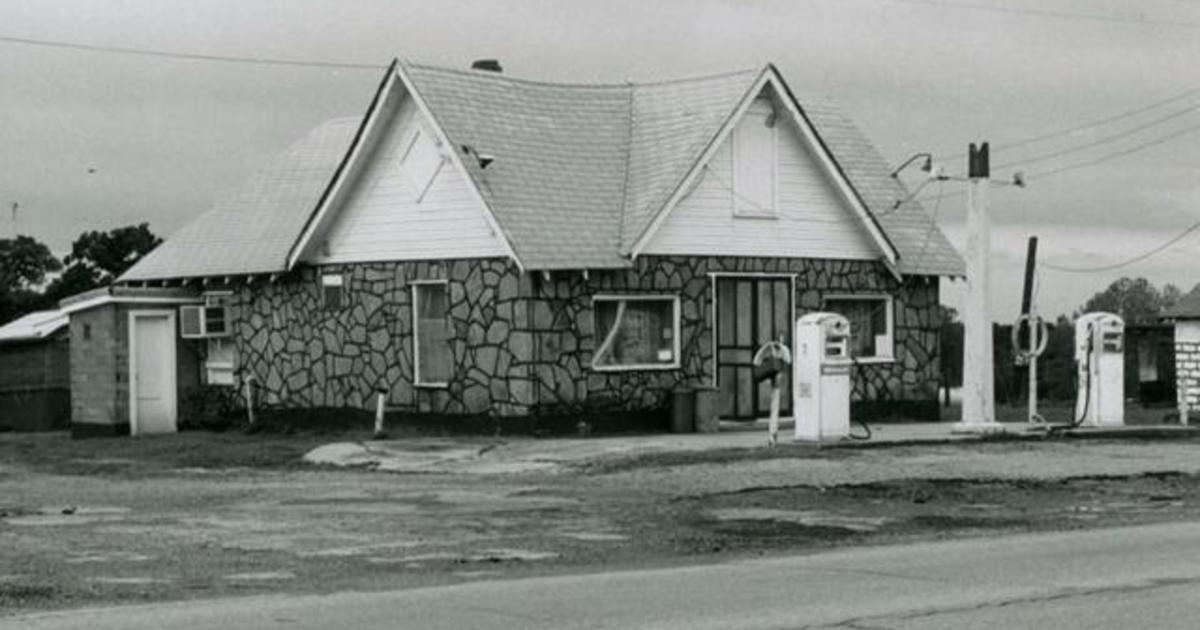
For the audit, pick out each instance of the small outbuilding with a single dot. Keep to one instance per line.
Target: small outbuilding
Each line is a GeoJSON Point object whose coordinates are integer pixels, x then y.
{"type": "Point", "coordinates": [130, 368]}
{"type": "Point", "coordinates": [1186, 317]}
{"type": "Point", "coordinates": [35, 385]}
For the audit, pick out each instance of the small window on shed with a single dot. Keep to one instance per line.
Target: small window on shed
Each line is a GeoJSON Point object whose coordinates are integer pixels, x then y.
{"type": "Point", "coordinates": [421, 162]}
{"type": "Point", "coordinates": [332, 289]}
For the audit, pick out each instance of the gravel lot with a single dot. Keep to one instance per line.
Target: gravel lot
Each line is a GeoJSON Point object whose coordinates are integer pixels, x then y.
{"type": "Point", "coordinates": [198, 515]}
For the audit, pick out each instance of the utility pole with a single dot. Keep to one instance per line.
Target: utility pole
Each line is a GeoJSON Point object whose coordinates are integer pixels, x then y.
{"type": "Point", "coordinates": [978, 395]}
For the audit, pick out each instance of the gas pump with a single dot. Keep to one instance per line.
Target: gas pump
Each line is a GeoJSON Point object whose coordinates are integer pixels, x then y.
{"type": "Point", "coordinates": [821, 378]}
{"type": "Point", "coordinates": [1100, 366]}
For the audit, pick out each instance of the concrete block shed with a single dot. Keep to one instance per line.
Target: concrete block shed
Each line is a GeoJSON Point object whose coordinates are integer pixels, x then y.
{"type": "Point", "coordinates": [35, 391]}
{"type": "Point", "coordinates": [1186, 317]}
{"type": "Point", "coordinates": [130, 369]}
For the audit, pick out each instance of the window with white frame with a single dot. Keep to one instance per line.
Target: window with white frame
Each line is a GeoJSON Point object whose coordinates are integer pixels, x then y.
{"type": "Point", "coordinates": [421, 162]}
{"type": "Point", "coordinates": [754, 157]}
{"type": "Point", "coordinates": [872, 335]}
{"type": "Point", "coordinates": [333, 291]}
{"type": "Point", "coordinates": [636, 332]}
{"type": "Point", "coordinates": [434, 358]}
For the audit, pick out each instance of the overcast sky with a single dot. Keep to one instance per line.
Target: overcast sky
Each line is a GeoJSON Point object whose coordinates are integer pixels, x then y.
{"type": "Point", "coordinates": [166, 136]}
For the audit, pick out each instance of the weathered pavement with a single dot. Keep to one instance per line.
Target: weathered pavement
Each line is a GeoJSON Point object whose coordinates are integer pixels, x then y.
{"type": "Point", "coordinates": [1114, 578]}
{"type": "Point", "coordinates": [107, 532]}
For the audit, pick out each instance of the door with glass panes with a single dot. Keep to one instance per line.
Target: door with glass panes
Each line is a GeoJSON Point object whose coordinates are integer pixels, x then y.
{"type": "Point", "coordinates": [751, 310]}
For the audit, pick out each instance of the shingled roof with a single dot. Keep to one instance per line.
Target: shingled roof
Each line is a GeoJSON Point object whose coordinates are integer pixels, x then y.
{"type": "Point", "coordinates": [252, 230]}
{"type": "Point", "coordinates": [581, 172]}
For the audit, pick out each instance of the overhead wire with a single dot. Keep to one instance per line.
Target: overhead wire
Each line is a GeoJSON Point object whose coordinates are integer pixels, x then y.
{"type": "Point", "coordinates": [1088, 125]}
{"type": "Point", "coordinates": [1105, 140]}
{"type": "Point", "coordinates": [148, 52]}
{"type": "Point", "coordinates": [1125, 263]}
{"type": "Point", "coordinates": [1051, 13]}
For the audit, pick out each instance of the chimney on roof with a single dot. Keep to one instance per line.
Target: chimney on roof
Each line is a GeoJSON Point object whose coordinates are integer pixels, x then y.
{"type": "Point", "coordinates": [487, 65]}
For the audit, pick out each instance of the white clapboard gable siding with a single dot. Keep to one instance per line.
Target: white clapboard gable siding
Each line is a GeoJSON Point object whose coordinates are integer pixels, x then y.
{"type": "Point", "coordinates": [810, 219]}
{"type": "Point", "coordinates": [387, 216]}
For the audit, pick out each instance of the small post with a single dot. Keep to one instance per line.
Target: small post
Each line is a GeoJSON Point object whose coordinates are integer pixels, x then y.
{"type": "Point", "coordinates": [249, 386]}
{"type": "Point", "coordinates": [1183, 402]}
{"type": "Point", "coordinates": [774, 421]}
{"type": "Point", "coordinates": [380, 400]}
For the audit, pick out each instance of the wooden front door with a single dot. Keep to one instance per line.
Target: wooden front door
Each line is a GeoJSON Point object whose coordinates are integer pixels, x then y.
{"type": "Point", "coordinates": [751, 310]}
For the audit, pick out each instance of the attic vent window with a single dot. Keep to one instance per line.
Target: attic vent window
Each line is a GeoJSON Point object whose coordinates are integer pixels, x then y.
{"type": "Point", "coordinates": [754, 159]}
{"type": "Point", "coordinates": [421, 163]}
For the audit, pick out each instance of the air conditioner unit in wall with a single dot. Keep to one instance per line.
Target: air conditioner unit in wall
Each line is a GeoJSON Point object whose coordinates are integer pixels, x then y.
{"type": "Point", "coordinates": [211, 319]}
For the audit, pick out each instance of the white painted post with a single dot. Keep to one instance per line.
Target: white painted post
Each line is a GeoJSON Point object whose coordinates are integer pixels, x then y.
{"type": "Point", "coordinates": [249, 387]}
{"type": "Point", "coordinates": [380, 399]}
{"type": "Point", "coordinates": [1183, 401]}
{"type": "Point", "coordinates": [774, 422]}
{"type": "Point", "coordinates": [978, 396]}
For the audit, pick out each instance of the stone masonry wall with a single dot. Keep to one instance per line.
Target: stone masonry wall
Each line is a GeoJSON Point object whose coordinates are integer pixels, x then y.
{"type": "Point", "coordinates": [522, 341]}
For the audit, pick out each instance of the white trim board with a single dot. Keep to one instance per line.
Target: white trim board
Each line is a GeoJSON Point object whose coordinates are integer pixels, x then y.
{"type": "Point", "coordinates": [131, 361]}
{"type": "Point", "coordinates": [676, 331]}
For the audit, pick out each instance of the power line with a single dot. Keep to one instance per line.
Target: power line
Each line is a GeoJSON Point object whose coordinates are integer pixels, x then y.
{"type": "Point", "coordinates": [146, 52]}
{"type": "Point", "coordinates": [1105, 140]}
{"type": "Point", "coordinates": [1125, 263]}
{"type": "Point", "coordinates": [1051, 13]}
{"type": "Point", "coordinates": [1175, 135]}
{"type": "Point", "coordinates": [1089, 125]}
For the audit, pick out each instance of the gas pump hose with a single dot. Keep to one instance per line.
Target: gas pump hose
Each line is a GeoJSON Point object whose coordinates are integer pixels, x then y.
{"type": "Point", "coordinates": [1087, 392]}
{"type": "Point", "coordinates": [863, 423]}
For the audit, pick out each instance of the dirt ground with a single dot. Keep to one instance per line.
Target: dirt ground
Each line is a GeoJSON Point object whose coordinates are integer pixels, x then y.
{"type": "Point", "coordinates": [94, 522]}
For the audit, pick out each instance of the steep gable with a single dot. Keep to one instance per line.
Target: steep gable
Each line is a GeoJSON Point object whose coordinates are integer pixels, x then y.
{"type": "Point", "coordinates": [763, 193]}
{"type": "Point", "coordinates": [407, 202]}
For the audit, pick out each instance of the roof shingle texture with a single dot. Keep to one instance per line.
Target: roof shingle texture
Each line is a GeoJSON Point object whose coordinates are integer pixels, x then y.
{"type": "Point", "coordinates": [252, 230]}
{"type": "Point", "coordinates": [580, 172]}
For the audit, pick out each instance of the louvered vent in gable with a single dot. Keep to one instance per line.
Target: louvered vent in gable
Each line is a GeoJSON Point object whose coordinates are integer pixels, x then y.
{"type": "Point", "coordinates": [421, 162]}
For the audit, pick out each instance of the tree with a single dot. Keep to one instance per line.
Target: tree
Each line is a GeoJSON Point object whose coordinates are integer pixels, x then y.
{"type": "Point", "coordinates": [97, 258]}
{"type": "Point", "coordinates": [1136, 300]}
{"type": "Point", "coordinates": [24, 264]}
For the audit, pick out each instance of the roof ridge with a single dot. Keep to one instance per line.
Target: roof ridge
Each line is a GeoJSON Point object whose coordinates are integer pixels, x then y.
{"type": "Point", "coordinates": [614, 85]}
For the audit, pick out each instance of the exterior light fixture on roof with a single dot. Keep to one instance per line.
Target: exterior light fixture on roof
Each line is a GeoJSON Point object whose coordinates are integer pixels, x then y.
{"type": "Point", "coordinates": [483, 159]}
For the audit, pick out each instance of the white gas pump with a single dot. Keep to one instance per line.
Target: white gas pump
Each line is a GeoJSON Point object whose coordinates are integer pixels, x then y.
{"type": "Point", "coordinates": [1100, 365]}
{"type": "Point", "coordinates": [821, 378]}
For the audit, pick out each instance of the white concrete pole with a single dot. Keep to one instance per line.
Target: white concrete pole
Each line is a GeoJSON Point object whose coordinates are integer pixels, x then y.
{"type": "Point", "coordinates": [978, 396]}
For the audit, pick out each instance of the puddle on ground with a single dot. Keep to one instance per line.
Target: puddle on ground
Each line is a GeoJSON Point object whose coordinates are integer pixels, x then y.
{"type": "Point", "coordinates": [356, 550]}
{"type": "Point", "coordinates": [67, 515]}
{"type": "Point", "coordinates": [262, 576]}
{"type": "Point", "coordinates": [485, 556]}
{"type": "Point", "coordinates": [113, 556]}
{"type": "Point", "coordinates": [807, 518]}
{"type": "Point", "coordinates": [135, 580]}
{"type": "Point", "coordinates": [594, 536]}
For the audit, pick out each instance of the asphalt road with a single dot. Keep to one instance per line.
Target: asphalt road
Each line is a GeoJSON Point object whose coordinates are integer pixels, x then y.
{"type": "Point", "coordinates": [1136, 577]}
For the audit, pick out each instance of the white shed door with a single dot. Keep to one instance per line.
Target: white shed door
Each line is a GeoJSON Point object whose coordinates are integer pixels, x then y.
{"type": "Point", "coordinates": [153, 374]}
